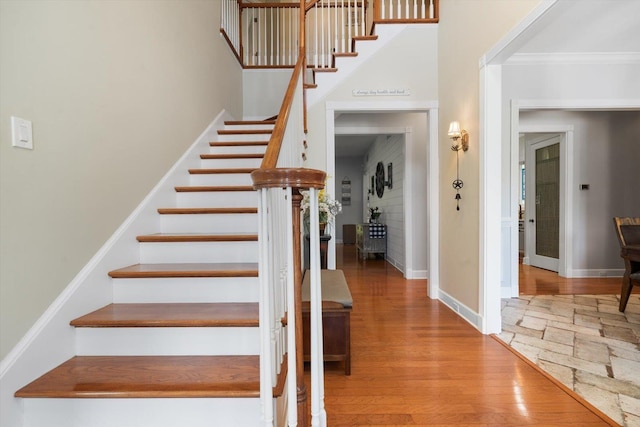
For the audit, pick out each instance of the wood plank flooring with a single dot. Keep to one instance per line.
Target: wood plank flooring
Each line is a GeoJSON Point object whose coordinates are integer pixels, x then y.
{"type": "Point", "coordinates": [536, 281]}
{"type": "Point", "coordinates": [414, 362]}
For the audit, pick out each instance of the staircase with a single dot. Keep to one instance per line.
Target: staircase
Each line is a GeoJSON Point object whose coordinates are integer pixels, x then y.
{"type": "Point", "coordinates": [179, 345]}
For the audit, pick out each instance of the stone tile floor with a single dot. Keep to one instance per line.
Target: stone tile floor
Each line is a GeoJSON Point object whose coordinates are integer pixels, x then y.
{"type": "Point", "coordinates": [584, 342]}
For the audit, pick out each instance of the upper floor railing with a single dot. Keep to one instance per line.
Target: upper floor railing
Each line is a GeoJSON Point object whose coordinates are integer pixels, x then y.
{"type": "Point", "coordinates": [266, 35]}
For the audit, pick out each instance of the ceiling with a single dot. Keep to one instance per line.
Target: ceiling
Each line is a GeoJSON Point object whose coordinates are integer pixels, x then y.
{"type": "Point", "coordinates": [582, 26]}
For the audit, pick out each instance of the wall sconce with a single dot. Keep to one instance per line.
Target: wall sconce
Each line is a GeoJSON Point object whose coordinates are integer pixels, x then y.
{"type": "Point", "coordinates": [460, 139]}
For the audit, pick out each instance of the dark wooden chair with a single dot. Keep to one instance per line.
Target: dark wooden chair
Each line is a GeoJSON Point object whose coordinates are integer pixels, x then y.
{"type": "Point", "coordinates": [628, 230]}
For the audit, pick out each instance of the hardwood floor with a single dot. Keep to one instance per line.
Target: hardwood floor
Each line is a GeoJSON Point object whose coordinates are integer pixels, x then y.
{"type": "Point", "coordinates": [536, 281]}
{"type": "Point", "coordinates": [414, 362]}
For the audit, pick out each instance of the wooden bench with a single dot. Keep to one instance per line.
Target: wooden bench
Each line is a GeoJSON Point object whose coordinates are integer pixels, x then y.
{"type": "Point", "coordinates": [336, 318]}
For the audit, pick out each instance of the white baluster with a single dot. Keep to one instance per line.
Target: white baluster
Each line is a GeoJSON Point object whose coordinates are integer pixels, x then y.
{"type": "Point", "coordinates": [363, 19]}
{"type": "Point", "coordinates": [318, 414]}
{"type": "Point", "coordinates": [323, 51]}
{"type": "Point", "coordinates": [399, 4]}
{"type": "Point", "coordinates": [266, 389]}
{"type": "Point", "coordinates": [431, 12]}
{"type": "Point", "coordinates": [349, 24]}
{"type": "Point", "coordinates": [336, 46]}
{"type": "Point", "coordinates": [315, 11]}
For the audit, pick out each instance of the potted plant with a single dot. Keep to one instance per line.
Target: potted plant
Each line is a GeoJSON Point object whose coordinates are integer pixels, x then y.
{"type": "Point", "coordinates": [374, 214]}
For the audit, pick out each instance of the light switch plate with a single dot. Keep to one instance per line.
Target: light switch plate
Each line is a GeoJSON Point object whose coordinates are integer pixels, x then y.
{"type": "Point", "coordinates": [21, 133]}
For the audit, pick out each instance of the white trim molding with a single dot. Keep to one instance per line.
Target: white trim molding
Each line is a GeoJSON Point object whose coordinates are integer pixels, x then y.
{"type": "Point", "coordinates": [593, 58]}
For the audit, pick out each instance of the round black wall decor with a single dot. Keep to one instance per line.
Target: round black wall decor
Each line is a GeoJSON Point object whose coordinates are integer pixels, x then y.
{"type": "Point", "coordinates": [380, 179]}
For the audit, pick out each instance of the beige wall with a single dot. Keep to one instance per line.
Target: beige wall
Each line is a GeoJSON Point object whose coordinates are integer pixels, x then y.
{"type": "Point", "coordinates": [116, 90]}
{"type": "Point", "coordinates": [467, 30]}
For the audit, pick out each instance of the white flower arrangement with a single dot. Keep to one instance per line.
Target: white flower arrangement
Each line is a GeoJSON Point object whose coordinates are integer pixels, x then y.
{"type": "Point", "coordinates": [328, 208]}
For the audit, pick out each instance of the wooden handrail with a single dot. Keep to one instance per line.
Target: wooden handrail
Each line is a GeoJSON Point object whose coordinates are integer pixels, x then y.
{"type": "Point", "coordinates": [270, 159]}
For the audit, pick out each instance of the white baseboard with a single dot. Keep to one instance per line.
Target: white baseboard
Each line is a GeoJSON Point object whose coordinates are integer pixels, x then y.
{"type": "Point", "coordinates": [465, 312]}
{"type": "Point", "coordinates": [417, 274]}
{"type": "Point", "coordinates": [594, 273]}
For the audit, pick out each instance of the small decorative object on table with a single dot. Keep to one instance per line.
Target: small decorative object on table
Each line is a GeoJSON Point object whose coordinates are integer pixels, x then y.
{"type": "Point", "coordinates": [374, 214]}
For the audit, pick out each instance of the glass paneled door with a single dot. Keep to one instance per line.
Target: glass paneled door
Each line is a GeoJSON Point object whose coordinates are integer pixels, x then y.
{"type": "Point", "coordinates": [543, 203]}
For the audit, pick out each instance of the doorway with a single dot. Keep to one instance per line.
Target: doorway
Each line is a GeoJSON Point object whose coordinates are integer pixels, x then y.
{"type": "Point", "coordinates": [421, 208]}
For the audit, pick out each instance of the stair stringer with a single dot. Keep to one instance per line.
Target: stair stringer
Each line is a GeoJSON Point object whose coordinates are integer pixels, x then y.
{"type": "Point", "coordinates": [51, 340]}
{"type": "Point", "coordinates": [326, 82]}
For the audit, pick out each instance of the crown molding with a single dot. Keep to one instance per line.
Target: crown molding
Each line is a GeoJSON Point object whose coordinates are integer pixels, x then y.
{"type": "Point", "coordinates": [574, 58]}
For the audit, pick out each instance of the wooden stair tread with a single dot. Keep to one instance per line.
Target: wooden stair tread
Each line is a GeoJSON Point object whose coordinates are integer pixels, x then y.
{"type": "Point", "coordinates": [361, 38]}
{"type": "Point", "coordinates": [231, 156]}
{"type": "Point", "coordinates": [249, 122]}
{"type": "Point", "coordinates": [206, 211]}
{"type": "Point", "coordinates": [237, 143]}
{"type": "Point", "coordinates": [194, 237]}
{"type": "Point", "coordinates": [149, 376]}
{"type": "Point", "coordinates": [198, 188]}
{"type": "Point", "coordinates": [245, 132]}
{"type": "Point", "coordinates": [211, 171]}
{"type": "Point", "coordinates": [171, 315]}
{"type": "Point", "coordinates": [310, 85]}
{"type": "Point", "coordinates": [324, 70]}
{"type": "Point", "coordinates": [186, 270]}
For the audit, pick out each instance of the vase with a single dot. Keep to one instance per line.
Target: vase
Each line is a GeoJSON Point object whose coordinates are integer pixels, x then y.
{"type": "Point", "coordinates": [323, 226]}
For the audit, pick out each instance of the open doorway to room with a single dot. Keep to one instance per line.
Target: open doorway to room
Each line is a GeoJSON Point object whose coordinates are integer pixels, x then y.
{"type": "Point", "coordinates": [592, 154]}
{"type": "Point", "coordinates": [370, 184]}
{"type": "Point", "coordinates": [401, 140]}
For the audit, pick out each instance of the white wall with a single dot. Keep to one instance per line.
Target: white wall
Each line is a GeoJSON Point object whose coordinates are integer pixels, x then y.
{"type": "Point", "coordinates": [606, 152]}
{"type": "Point", "coordinates": [350, 167]}
{"type": "Point", "coordinates": [263, 92]}
{"type": "Point", "coordinates": [390, 149]}
{"type": "Point", "coordinates": [116, 91]}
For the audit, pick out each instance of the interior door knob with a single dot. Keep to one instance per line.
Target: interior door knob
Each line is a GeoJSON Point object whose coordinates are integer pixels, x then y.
{"type": "Point", "coordinates": [531, 220]}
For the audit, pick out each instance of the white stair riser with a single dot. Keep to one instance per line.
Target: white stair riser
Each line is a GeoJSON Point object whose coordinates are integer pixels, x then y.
{"type": "Point", "coordinates": [209, 223]}
{"type": "Point", "coordinates": [230, 163]}
{"type": "Point", "coordinates": [191, 289]}
{"type": "Point", "coordinates": [159, 412]}
{"type": "Point", "coordinates": [196, 252]}
{"type": "Point", "coordinates": [234, 149]}
{"type": "Point", "coordinates": [244, 137]}
{"type": "Point", "coordinates": [220, 179]}
{"type": "Point", "coordinates": [249, 127]}
{"type": "Point", "coordinates": [169, 341]}
{"type": "Point", "coordinates": [217, 199]}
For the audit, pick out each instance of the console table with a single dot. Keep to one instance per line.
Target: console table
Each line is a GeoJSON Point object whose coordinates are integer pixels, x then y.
{"type": "Point", "coordinates": [371, 239]}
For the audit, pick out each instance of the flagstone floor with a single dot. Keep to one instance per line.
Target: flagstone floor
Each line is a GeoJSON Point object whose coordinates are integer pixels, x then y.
{"type": "Point", "coordinates": [584, 342]}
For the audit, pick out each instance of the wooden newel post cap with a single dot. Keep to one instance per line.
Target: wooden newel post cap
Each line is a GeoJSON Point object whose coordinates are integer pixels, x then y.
{"type": "Point", "coordinates": [301, 178]}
